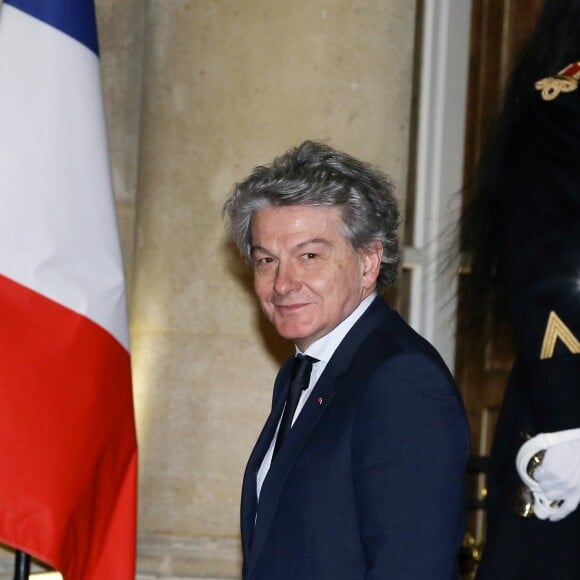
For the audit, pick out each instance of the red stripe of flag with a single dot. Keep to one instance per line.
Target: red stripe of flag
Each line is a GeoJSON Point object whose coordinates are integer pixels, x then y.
{"type": "Point", "coordinates": [68, 450]}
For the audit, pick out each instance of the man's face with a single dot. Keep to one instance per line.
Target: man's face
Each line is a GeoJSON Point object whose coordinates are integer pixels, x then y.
{"type": "Point", "coordinates": [307, 276]}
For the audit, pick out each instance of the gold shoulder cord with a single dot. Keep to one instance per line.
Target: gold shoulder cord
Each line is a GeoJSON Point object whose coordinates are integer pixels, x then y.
{"type": "Point", "coordinates": [565, 81]}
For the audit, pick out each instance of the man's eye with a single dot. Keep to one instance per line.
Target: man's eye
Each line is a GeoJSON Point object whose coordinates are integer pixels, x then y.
{"type": "Point", "coordinates": [310, 255]}
{"type": "Point", "coordinates": [264, 261]}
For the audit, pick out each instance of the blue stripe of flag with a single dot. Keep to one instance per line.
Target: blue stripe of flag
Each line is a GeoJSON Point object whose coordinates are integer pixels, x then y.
{"type": "Point", "coordinates": [73, 17]}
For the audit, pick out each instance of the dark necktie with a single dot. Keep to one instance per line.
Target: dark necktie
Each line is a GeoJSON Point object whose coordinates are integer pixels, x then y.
{"type": "Point", "coordinates": [301, 369]}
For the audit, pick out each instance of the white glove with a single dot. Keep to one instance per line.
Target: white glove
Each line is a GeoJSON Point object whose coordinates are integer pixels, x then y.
{"type": "Point", "coordinates": [559, 476]}
{"type": "Point", "coordinates": [556, 481]}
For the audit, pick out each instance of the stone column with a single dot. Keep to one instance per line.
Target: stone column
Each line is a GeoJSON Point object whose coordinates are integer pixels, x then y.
{"type": "Point", "coordinates": [227, 85]}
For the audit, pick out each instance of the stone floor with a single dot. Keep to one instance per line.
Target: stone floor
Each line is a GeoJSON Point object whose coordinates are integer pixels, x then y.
{"type": "Point", "coordinates": [161, 559]}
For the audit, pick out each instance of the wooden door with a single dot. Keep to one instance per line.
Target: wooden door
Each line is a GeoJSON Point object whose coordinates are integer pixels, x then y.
{"type": "Point", "coordinates": [499, 29]}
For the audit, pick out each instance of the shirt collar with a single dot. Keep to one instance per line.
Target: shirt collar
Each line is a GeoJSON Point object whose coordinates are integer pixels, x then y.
{"type": "Point", "coordinates": [323, 348]}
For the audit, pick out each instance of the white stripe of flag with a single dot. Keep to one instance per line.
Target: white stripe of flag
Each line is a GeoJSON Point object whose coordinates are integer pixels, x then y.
{"type": "Point", "coordinates": [58, 232]}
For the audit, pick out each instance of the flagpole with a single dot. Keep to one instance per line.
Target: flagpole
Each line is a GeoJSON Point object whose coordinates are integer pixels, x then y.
{"type": "Point", "coordinates": [21, 566]}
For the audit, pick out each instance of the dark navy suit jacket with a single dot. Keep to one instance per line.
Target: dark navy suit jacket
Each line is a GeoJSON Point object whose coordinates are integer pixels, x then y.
{"type": "Point", "coordinates": [368, 484]}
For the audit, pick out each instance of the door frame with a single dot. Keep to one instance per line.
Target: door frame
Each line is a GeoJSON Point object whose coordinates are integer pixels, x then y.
{"type": "Point", "coordinates": [442, 100]}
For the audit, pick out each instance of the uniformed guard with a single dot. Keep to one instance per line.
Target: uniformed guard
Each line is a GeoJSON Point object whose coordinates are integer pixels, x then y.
{"type": "Point", "coordinates": [523, 231]}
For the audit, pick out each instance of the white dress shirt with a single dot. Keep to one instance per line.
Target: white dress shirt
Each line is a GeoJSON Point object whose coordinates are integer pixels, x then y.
{"type": "Point", "coordinates": [322, 349]}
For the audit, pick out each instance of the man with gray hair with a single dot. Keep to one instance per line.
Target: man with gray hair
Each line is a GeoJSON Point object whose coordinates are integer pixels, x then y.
{"type": "Point", "coordinates": [358, 471]}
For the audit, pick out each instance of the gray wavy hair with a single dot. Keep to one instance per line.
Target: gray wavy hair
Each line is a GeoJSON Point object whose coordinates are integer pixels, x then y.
{"type": "Point", "coordinates": [315, 174]}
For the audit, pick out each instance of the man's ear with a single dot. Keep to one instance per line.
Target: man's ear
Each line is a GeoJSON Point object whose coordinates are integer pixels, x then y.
{"type": "Point", "coordinates": [371, 262]}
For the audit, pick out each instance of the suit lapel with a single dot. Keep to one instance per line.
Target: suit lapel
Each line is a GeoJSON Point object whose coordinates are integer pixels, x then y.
{"type": "Point", "coordinates": [249, 494]}
{"type": "Point", "coordinates": [320, 399]}
{"type": "Point", "coordinates": [284, 460]}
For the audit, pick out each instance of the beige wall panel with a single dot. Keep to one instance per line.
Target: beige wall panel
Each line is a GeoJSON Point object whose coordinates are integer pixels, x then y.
{"type": "Point", "coordinates": [120, 27]}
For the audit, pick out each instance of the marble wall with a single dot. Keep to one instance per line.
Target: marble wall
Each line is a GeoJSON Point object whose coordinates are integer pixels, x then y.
{"type": "Point", "coordinates": [197, 93]}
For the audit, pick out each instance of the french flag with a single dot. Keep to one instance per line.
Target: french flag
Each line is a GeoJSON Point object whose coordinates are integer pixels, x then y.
{"type": "Point", "coordinates": [68, 451]}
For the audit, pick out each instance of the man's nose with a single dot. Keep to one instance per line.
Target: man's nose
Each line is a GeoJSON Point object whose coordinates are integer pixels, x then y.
{"type": "Point", "coordinates": [287, 279]}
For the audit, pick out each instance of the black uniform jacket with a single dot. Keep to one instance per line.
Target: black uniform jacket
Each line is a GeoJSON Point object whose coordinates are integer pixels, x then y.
{"type": "Point", "coordinates": [540, 210]}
